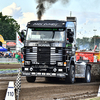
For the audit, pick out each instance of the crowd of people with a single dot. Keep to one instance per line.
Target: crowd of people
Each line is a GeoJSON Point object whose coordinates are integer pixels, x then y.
{"type": "Point", "coordinates": [17, 55]}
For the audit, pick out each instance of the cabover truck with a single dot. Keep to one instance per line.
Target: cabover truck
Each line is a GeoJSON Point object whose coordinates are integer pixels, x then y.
{"type": "Point", "coordinates": [49, 51]}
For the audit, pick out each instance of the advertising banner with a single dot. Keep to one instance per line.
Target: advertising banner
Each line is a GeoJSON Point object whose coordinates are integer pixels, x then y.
{"type": "Point", "coordinates": [19, 44]}
{"type": "Point", "coordinates": [10, 43]}
{"type": "Point", "coordinates": [1, 38]}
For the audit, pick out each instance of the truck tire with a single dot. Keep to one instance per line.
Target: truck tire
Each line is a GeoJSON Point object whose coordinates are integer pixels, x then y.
{"type": "Point", "coordinates": [87, 75]}
{"type": "Point", "coordinates": [71, 75]}
{"type": "Point", "coordinates": [30, 78]}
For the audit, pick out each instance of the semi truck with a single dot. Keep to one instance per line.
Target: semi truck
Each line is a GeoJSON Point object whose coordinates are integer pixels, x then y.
{"type": "Point", "coordinates": [49, 51]}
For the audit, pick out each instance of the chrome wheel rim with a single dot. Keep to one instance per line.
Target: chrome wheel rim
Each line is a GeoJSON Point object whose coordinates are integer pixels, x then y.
{"type": "Point", "coordinates": [88, 76]}
{"type": "Point", "coordinates": [73, 73]}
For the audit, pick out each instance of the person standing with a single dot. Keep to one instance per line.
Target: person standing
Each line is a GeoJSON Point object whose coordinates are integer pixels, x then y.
{"type": "Point", "coordinates": [17, 56]}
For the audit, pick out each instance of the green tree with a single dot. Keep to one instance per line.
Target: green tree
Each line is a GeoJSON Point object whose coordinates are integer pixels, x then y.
{"type": "Point", "coordinates": [8, 27]}
{"type": "Point", "coordinates": [83, 43]}
{"type": "Point", "coordinates": [95, 41]}
{"type": "Point", "coordinates": [88, 43]}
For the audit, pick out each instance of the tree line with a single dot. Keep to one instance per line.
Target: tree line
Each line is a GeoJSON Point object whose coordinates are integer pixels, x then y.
{"type": "Point", "coordinates": [88, 43]}
{"type": "Point", "coordinates": [8, 27]}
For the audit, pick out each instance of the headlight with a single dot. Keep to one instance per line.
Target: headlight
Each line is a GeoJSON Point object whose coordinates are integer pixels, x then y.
{"type": "Point", "coordinates": [32, 44]}
{"type": "Point", "coordinates": [27, 62]}
{"type": "Point", "coordinates": [60, 63]}
{"type": "Point", "coordinates": [69, 52]}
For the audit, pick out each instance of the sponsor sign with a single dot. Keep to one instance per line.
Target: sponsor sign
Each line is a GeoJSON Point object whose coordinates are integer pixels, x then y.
{"type": "Point", "coordinates": [11, 44]}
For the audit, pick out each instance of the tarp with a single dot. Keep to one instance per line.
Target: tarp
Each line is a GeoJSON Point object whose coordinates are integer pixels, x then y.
{"type": "Point", "coordinates": [2, 49]}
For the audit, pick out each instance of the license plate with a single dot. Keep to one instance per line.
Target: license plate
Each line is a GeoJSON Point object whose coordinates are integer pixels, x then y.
{"type": "Point", "coordinates": [27, 74]}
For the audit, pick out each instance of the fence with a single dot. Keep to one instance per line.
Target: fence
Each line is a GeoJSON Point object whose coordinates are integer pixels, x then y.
{"type": "Point", "coordinates": [8, 60]}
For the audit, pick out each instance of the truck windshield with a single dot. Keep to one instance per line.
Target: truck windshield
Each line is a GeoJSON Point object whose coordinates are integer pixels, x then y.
{"type": "Point", "coordinates": [45, 35]}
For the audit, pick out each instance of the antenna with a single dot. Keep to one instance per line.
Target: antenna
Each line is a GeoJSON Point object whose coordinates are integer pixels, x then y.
{"type": "Point", "coordinates": [70, 13]}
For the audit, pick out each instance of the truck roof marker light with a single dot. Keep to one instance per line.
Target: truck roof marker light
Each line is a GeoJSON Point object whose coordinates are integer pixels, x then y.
{"type": "Point", "coordinates": [63, 23]}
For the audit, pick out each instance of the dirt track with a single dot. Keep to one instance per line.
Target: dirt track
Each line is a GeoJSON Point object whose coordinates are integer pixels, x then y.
{"type": "Point", "coordinates": [42, 90]}
{"type": "Point", "coordinates": [10, 66]}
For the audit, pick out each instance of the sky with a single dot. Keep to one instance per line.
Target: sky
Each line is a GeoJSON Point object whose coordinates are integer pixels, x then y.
{"type": "Point", "coordinates": [86, 11]}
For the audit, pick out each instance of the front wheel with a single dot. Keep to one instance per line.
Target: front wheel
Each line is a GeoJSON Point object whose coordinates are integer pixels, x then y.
{"type": "Point", "coordinates": [88, 75]}
{"type": "Point", "coordinates": [30, 78]}
{"type": "Point", "coordinates": [71, 75]}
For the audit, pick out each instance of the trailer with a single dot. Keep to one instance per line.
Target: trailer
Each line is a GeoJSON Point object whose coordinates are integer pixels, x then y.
{"type": "Point", "coordinates": [49, 51]}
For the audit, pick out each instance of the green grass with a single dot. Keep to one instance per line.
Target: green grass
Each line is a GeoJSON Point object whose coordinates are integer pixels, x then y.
{"type": "Point", "coordinates": [96, 98]}
{"type": "Point", "coordinates": [7, 69]}
{"type": "Point", "coordinates": [8, 72]}
{"type": "Point", "coordinates": [10, 63]}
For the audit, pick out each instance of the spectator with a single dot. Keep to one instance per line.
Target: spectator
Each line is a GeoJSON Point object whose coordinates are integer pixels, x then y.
{"type": "Point", "coordinates": [1, 54]}
{"type": "Point", "coordinates": [14, 55]}
{"type": "Point", "coordinates": [22, 56]}
{"type": "Point", "coordinates": [17, 56]}
{"type": "Point", "coordinates": [10, 54]}
{"type": "Point", "coordinates": [7, 55]}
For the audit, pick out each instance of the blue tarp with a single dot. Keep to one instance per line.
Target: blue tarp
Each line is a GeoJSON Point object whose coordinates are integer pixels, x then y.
{"type": "Point", "coordinates": [2, 49]}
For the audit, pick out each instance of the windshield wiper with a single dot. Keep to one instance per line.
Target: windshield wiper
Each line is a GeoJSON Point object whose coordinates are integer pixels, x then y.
{"type": "Point", "coordinates": [53, 34]}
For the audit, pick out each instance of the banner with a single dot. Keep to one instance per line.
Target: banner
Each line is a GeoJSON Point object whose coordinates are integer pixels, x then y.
{"type": "Point", "coordinates": [1, 38]}
{"type": "Point", "coordinates": [19, 44]}
{"type": "Point", "coordinates": [10, 44]}
{"type": "Point", "coordinates": [4, 44]}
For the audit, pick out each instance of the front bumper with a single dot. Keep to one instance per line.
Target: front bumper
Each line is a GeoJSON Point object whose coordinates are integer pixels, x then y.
{"type": "Point", "coordinates": [44, 74]}
{"type": "Point", "coordinates": [45, 71]}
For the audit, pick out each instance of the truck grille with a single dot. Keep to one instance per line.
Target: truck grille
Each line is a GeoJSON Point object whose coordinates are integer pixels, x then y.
{"type": "Point", "coordinates": [31, 55]}
{"type": "Point", "coordinates": [55, 56]}
{"type": "Point", "coordinates": [44, 55]}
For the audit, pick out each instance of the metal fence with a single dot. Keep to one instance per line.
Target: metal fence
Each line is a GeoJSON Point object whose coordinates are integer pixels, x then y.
{"type": "Point", "coordinates": [8, 60]}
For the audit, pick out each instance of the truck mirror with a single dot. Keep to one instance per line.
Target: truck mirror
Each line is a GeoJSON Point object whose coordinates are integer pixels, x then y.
{"type": "Point", "coordinates": [22, 36]}
{"type": "Point", "coordinates": [76, 48]}
{"type": "Point", "coordinates": [70, 35]}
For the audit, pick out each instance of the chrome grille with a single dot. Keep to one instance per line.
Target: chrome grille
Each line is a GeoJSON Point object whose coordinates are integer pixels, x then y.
{"type": "Point", "coordinates": [45, 55]}
{"type": "Point", "coordinates": [31, 55]}
{"type": "Point", "coordinates": [55, 56]}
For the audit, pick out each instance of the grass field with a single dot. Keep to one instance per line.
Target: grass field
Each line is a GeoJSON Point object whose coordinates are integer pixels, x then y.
{"type": "Point", "coordinates": [96, 98]}
{"type": "Point", "coordinates": [8, 71]}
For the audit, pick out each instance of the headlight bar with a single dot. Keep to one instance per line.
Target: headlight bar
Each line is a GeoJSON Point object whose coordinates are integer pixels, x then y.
{"type": "Point", "coordinates": [61, 63]}
{"type": "Point", "coordinates": [27, 63]}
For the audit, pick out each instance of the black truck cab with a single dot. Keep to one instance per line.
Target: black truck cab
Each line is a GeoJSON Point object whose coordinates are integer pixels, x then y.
{"type": "Point", "coordinates": [49, 49]}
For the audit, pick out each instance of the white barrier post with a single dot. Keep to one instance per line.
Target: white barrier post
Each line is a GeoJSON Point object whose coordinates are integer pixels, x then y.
{"type": "Point", "coordinates": [98, 95]}
{"type": "Point", "coordinates": [10, 95]}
